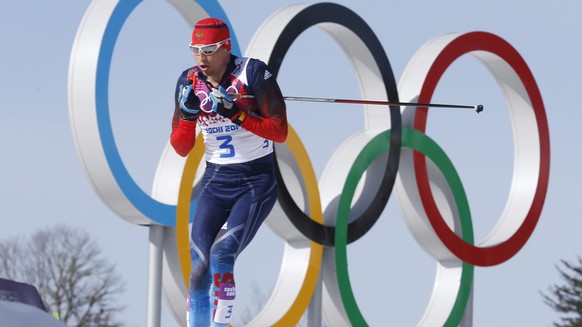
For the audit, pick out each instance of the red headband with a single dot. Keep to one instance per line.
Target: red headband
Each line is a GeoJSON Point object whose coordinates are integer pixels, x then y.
{"type": "Point", "coordinates": [209, 31]}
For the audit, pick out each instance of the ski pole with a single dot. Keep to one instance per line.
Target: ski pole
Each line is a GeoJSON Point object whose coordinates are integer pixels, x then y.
{"type": "Point", "coordinates": [477, 108]}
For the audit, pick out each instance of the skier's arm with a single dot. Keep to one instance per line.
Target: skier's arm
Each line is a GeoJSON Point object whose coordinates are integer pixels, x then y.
{"type": "Point", "coordinates": [272, 124]}
{"type": "Point", "coordinates": [183, 136]}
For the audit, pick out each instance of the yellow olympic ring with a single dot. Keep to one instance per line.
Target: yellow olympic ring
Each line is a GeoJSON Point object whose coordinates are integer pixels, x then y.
{"type": "Point", "coordinates": [296, 308]}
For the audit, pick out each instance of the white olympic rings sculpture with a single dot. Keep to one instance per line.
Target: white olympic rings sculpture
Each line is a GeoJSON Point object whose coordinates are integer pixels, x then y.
{"type": "Point", "coordinates": [351, 208]}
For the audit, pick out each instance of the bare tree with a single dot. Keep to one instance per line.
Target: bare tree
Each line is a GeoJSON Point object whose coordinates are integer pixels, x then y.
{"type": "Point", "coordinates": [66, 267]}
{"type": "Point", "coordinates": [567, 299]}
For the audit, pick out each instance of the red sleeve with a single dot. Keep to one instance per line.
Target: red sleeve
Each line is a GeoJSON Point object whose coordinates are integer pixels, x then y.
{"type": "Point", "coordinates": [183, 131]}
{"type": "Point", "coordinates": [183, 136]}
{"type": "Point", "coordinates": [272, 121]}
{"type": "Point", "coordinates": [272, 128]}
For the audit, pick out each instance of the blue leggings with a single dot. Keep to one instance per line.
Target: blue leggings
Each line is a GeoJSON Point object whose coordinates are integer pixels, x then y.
{"type": "Point", "coordinates": [234, 201]}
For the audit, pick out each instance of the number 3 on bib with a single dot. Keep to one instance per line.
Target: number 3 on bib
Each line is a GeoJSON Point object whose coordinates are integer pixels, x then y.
{"type": "Point", "coordinates": [229, 148]}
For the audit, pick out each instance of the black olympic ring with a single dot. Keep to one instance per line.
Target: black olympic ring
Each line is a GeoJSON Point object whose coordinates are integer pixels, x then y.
{"type": "Point", "coordinates": [337, 14]}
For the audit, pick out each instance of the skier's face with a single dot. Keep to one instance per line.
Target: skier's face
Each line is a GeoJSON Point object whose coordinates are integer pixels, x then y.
{"type": "Point", "coordinates": [213, 65]}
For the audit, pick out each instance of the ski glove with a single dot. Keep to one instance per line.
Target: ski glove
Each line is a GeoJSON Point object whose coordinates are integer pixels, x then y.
{"type": "Point", "coordinates": [222, 103]}
{"type": "Point", "coordinates": [189, 103]}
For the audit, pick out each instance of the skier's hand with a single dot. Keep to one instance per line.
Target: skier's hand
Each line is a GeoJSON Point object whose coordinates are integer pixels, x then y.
{"type": "Point", "coordinates": [189, 103]}
{"type": "Point", "coordinates": [223, 103]}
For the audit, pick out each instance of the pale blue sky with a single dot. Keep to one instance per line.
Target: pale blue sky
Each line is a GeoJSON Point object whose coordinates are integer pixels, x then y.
{"type": "Point", "coordinates": [43, 182]}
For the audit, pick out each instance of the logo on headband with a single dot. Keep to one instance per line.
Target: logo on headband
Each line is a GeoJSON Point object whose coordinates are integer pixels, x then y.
{"type": "Point", "coordinates": [199, 35]}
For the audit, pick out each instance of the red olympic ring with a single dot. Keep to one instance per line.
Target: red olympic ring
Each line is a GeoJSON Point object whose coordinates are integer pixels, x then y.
{"type": "Point", "coordinates": [502, 251]}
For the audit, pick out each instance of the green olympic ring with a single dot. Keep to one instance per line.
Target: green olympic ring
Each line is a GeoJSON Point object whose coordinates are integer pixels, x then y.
{"type": "Point", "coordinates": [422, 143]}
